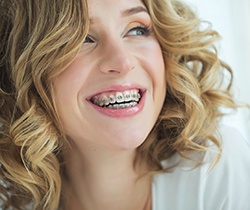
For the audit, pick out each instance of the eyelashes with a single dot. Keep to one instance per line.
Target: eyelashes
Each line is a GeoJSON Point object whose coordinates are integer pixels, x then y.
{"type": "Point", "coordinates": [140, 30]}
{"type": "Point", "coordinates": [88, 39]}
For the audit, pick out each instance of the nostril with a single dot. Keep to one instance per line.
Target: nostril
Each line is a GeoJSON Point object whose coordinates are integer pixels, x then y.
{"type": "Point", "coordinates": [116, 61]}
{"type": "Point", "coordinates": [114, 71]}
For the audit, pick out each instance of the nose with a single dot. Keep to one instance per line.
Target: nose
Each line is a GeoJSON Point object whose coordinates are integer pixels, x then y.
{"type": "Point", "coordinates": [116, 58]}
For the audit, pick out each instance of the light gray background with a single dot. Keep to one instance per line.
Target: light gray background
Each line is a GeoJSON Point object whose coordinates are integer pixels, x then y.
{"type": "Point", "coordinates": [231, 18]}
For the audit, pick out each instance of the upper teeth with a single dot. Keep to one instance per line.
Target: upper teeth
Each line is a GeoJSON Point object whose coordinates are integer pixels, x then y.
{"type": "Point", "coordinates": [109, 99]}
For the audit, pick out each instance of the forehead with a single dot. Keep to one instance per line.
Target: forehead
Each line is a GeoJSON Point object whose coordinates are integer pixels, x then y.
{"type": "Point", "coordinates": [116, 8]}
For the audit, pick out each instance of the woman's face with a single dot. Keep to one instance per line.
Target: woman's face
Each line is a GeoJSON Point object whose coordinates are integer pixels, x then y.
{"type": "Point", "coordinates": [114, 90]}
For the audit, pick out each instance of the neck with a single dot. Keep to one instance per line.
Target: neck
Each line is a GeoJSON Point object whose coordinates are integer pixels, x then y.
{"type": "Point", "coordinates": [103, 178]}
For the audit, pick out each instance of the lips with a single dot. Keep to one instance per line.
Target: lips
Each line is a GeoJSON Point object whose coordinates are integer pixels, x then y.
{"type": "Point", "coordinates": [119, 101]}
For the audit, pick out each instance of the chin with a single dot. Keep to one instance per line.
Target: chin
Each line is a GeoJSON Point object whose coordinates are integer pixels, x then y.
{"type": "Point", "coordinates": [128, 142]}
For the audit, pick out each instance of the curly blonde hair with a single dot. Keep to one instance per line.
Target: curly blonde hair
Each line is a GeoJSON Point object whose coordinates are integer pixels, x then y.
{"type": "Point", "coordinates": [198, 84]}
{"type": "Point", "coordinates": [39, 39]}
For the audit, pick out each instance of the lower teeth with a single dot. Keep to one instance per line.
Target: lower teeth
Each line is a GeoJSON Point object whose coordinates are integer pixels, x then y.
{"type": "Point", "coordinates": [122, 106]}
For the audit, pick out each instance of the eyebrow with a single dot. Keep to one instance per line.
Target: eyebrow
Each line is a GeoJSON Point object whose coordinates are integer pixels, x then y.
{"type": "Point", "coordinates": [132, 11]}
{"type": "Point", "coordinates": [127, 12]}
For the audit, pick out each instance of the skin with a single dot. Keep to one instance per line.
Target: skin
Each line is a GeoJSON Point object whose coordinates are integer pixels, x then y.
{"type": "Point", "coordinates": [100, 160]}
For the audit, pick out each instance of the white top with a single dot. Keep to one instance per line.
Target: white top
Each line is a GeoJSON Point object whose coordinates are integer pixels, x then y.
{"type": "Point", "coordinates": [226, 187]}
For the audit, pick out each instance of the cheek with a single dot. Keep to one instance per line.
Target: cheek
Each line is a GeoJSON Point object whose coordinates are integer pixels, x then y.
{"type": "Point", "coordinates": [152, 54]}
{"type": "Point", "coordinates": [74, 73]}
{"type": "Point", "coordinates": [157, 73]}
{"type": "Point", "coordinates": [152, 60]}
{"type": "Point", "coordinates": [69, 83]}
{"type": "Point", "coordinates": [155, 64]}
{"type": "Point", "coordinates": [66, 87]}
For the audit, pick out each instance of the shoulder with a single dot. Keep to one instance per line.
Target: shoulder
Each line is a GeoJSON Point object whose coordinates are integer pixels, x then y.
{"type": "Point", "coordinates": [230, 179]}
{"type": "Point", "coordinates": [235, 150]}
{"type": "Point", "coordinates": [225, 187]}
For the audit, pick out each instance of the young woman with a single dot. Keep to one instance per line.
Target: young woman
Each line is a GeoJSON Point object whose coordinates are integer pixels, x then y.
{"type": "Point", "coordinates": [115, 105]}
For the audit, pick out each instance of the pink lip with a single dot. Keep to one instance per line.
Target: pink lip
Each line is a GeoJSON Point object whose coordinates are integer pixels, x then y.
{"type": "Point", "coordinates": [119, 113]}
{"type": "Point", "coordinates": [118, 88]}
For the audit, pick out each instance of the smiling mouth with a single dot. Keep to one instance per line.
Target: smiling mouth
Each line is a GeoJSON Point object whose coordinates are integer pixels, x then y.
{"type": "Point", "coordinates": [117, 100]}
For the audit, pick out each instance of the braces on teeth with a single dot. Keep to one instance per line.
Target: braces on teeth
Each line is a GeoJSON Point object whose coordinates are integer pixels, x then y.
{"type": "Point", "coordinates": [119, 100]}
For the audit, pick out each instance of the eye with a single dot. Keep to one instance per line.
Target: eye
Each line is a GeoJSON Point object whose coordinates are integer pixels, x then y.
{"type": "Point", "coordinates": [88, 39]}
{"type": "Point", "coordinates": [139, 31]}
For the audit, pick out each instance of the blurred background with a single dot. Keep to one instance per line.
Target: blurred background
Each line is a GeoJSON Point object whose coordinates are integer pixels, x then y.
{"type": "Point", "coordinates": [231, 18]}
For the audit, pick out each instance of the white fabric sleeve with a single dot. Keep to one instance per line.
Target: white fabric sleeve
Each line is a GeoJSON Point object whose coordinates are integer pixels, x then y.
{"type": "Point", "coordinates": [226, 187]}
